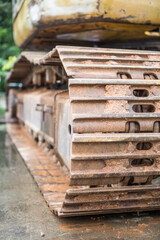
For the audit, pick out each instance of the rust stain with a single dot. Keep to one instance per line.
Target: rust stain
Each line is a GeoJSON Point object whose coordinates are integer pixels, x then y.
{"type": "Point", "coordinates": [103, 129]}
{"type": "Point", "coordinates": [104, 12]}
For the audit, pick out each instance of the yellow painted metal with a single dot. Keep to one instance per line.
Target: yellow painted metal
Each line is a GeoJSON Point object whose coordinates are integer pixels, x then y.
{"type": "Point", "coordinates": [85, 19]}
{"type": "Point", "coordinates": [22, 26]}
{"type": "Point", "coordinates": [153, 33]}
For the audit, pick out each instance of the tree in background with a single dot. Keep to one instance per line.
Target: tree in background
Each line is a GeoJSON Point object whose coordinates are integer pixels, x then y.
{"type": "Point", "coordinates": [8, 50]}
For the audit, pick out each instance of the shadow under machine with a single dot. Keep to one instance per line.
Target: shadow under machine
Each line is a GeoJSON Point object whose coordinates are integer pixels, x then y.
{"type": "Point", "coordinates": [92, 103]}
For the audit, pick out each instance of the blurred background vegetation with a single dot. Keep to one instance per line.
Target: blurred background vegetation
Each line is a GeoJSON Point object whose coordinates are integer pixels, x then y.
{"type": "Point", "coordinates": [8, 50]}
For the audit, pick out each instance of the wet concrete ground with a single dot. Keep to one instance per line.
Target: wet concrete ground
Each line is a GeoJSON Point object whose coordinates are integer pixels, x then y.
{"type": "Point", "coordinates": [24, 214]}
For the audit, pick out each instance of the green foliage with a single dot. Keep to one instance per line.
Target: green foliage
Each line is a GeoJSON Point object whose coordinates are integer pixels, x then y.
{"type": "Point", "coordinates": [8, 50]}
{"type": "Point", "coordinates": [9, 64]}
{"type": "Point", "coordinates": [2, 111]}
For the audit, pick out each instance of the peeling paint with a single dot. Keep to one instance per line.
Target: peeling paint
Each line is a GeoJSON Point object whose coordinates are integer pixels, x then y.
{"type": "Point", "coordinates": [57, 8]}
{"type": "Point", "coordinates": [35, 16]}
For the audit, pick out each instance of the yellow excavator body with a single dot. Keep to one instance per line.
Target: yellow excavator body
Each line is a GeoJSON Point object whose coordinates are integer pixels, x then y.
{"type": "Point", "coordinates": [38, 23]}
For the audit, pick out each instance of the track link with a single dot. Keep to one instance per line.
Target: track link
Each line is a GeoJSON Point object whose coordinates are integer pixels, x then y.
{"type": "Point", "coordinates": [115, 115]}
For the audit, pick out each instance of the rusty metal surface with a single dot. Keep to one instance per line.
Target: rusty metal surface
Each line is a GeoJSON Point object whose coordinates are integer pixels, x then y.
{"type": "Point", "coordinates": [112, 104]}
{"type": "Point", "coordinates": [104, 129]}
{"type": "Point", "coordinates": [51, 180]}
{"type": "Point", "coordinates": [53, 184]}
{"type": "Point", "coordinates": [106, 200]}
{"type": "Point", "coordinates": [24, 65]}
{"type": "Point", "coordinates": [80, 62]}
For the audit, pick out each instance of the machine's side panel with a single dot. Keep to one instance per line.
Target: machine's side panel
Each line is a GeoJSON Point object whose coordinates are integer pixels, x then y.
{"type": "Point", "coordinates": [85, 20]}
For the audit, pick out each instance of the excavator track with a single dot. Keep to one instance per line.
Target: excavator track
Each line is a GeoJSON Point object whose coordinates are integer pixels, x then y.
{"type": "Point", "coordinates": [66, 201]}
{"type": "Point", "coordinates": [106, 127]}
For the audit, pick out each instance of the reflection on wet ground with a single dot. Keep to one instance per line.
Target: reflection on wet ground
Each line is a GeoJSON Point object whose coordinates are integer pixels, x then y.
{"type": "Point", "coordinates": [25, 215]}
